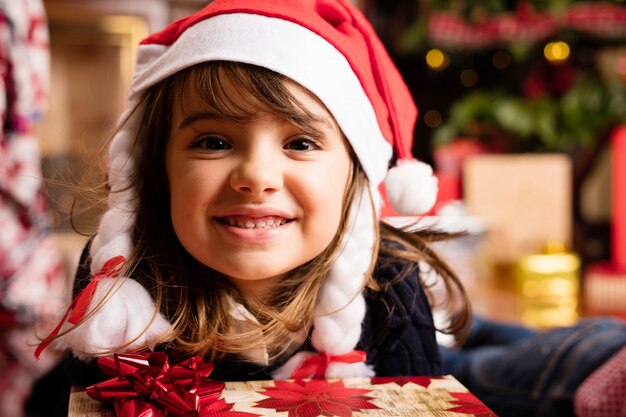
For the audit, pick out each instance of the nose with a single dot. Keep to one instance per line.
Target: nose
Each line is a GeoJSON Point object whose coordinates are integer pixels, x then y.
{"type": "Point", "coordinates": [257, 173]}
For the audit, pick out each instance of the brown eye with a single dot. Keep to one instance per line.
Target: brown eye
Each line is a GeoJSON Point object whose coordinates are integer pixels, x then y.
{"type": "Point", "coordinates": [212, 143]}
{"type": "Point", "coordinates": [302, 145]}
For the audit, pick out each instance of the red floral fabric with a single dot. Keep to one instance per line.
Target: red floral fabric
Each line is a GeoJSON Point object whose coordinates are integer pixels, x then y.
{"type": "Point", "coordinates": [31, 273]}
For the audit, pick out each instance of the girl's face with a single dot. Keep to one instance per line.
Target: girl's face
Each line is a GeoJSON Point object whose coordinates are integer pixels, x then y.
{"type": "Point", "coordinates": [257, 197]}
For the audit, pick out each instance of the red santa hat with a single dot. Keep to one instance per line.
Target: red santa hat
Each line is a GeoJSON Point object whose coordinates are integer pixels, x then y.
{"type": "Point", "coordinates": [328, 47]}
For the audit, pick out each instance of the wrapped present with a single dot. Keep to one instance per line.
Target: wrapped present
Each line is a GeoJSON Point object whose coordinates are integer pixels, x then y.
{"type": "Point", "coordinates": [148, 386]}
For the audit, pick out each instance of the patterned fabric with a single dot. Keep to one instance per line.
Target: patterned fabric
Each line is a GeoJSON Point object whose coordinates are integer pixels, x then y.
{"type": "Point", "coordinates": [31, 274]}
{"type": "Point", "coordinates": [603, 393]}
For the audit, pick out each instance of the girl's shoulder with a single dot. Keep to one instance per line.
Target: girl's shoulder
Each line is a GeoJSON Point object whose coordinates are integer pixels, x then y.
{"type": "Point", "coordinates": [399, 291]}
{"type": "Point", "coordinates": [398, 284]}
{"type": "Point", "coordinates": [390, 268]}
{"type": "Point", "coordinates": [398, 332]}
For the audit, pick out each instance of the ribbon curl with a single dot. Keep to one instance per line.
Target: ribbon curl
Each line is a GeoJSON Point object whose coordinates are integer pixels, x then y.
{"type": "Point", "coordinates": [147, 386]}
{"type": "Point", "coordinates": [79, 305]}
{"type": "Point", "coordinates": [315, 366]}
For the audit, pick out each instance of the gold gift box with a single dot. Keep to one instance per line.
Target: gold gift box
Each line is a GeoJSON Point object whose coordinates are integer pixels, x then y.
{"type": "Point", "coordinates": [549, 284]}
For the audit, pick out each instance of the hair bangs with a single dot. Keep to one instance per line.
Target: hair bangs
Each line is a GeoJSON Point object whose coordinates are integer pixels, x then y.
{"type": "Point", "coordinates": [239, 92]}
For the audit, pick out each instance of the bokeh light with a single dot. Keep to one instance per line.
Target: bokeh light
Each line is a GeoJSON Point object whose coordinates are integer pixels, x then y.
{"type": "Point", "coordinates": [436, 59]}
{"type": "Point", "coordinates": [469, 77]}
{"type": "Point", "coordinates": [432, 118]}
{"type": "Point", "coordinates": [556, 52]}
{"type": "Point", "coordinates": [501, 60]}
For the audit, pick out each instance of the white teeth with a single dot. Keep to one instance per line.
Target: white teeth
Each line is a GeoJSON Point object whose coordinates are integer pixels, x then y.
{"type": "Point", "coordinates": [266, 223]}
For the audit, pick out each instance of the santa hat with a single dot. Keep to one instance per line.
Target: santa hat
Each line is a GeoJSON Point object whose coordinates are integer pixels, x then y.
{"type": "Point", "coordinates": [328, 47]}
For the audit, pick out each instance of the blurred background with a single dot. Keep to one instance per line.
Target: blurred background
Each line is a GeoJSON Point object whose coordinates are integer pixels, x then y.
{"type": "Point", "coordinates": [521, 108]}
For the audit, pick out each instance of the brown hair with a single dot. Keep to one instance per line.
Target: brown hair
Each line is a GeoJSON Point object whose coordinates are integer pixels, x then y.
{"type": "Point", "coordinates": [197, 307]}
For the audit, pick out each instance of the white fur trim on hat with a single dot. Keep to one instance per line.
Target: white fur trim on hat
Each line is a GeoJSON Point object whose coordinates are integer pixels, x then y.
{"type": "Point", "coordinates": [288, 49]}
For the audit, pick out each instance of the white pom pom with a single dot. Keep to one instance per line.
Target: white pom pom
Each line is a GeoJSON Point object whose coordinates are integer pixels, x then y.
{"type": "Point", "coordinates": [411, 187]}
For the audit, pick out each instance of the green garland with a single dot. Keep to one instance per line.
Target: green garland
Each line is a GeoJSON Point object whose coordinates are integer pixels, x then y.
{"type": "Point", "coordinates": [571, 121]}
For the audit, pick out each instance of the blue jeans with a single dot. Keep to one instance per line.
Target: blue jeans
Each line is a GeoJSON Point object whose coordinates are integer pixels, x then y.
{"type": "Point", "coordinates": [516, 371]}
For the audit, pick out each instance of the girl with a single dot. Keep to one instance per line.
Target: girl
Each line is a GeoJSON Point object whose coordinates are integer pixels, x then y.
{"type": "Point", "coordinates": [243, 210]}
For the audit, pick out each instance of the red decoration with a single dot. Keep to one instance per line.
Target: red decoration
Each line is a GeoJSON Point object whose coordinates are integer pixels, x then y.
{"type": "Point", "coordinates": [600, 19]}
{"type": "Point", "coordinates": [79, 305]}
{"type": "Point", "coordinates": [423, 381]}
{"type": "Point", "coordinates": [316, 397]}
{"type": "Point", "coordinates": [146, 386]}
{"type": "Point", "coordinates": [466, 403]}
{"type": "Point", "coordinates": [221, 408]}
{"type": "Point", "coordinates": [605, 282]}
{"type": "Point", "coordinates": [515, 28]}
{"type": "Point", "coordinates": [548, 80]}
{"type": "Point", "coordinates": [110, 269]}
{"type": "Point", "coordinates": [450, 29]}
{"type": "Point", "coordinates": [315, 366]}
{"type": "Point", "coordinates": [449, 160]}
{"type": "Point", "coordinates": [618, 224]}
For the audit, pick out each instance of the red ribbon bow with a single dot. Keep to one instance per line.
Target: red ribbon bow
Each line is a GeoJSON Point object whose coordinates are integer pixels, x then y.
{"type": "Point", "coordinates": [146, 385]}
{"type": "Point", "coordinates": [316, 365]}
{"type": "Point", "coordinates": [79, 305]}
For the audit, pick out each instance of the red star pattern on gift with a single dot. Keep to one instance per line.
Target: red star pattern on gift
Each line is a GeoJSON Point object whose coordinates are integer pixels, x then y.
{"type": "Point", "coordinates": [221, 408]}
{"type": "Point", "coordinates": [316, 397]}
{"type": "Point", "coordinates": [423, 381]}
{"type": "Point", "coordinates": [466, 403]}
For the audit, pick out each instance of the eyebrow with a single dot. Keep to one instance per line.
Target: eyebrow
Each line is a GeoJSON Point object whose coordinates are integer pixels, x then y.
{"type": "Point", "coordinates": [309, 128]}
{"type": "Point", "coordinates": [201, 115]}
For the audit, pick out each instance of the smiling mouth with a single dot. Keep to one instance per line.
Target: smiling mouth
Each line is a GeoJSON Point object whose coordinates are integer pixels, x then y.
{"type": "Point", "coordinates": [268, 222]}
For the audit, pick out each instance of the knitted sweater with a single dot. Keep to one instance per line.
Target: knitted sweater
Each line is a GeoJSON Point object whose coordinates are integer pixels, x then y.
{"type": "Point", "coordinates": [398, 333]}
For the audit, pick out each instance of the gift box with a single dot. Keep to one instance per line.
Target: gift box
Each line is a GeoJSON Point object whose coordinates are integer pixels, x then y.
{"type": "Point", "coordinates": [525, 201]}
{"type": "Point", "coordinates": [148, 385]}
{"type": "Point", "coordinates": [378, 396]}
